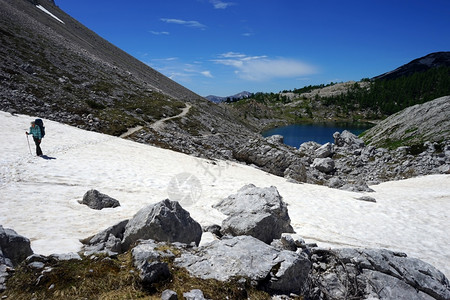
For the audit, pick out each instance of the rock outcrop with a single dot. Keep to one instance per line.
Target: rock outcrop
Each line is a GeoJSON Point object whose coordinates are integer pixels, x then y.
{"type": "Point", "coordinates": [254, 211]}
{"type": "Point", "coordinates": [430, 122]}
{"type": "Point", "coordinates": [374, 274]}
{"type": "Point", "coordinates": [351, 165]}
{"type": "Point", "coordinates": [244, 256]}
{"type": "Point", "coordinates": [14, 249]}
{"type": "Point", "coordinates": [108, 241]}
{"type": "Point", "coordinates": [164, 221]}
{"type": "Point", "coordinates": [96, 200]}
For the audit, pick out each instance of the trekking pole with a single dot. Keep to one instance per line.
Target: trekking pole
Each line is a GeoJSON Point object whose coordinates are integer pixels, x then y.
{"type": "Point", "coordinates": [29, 148]}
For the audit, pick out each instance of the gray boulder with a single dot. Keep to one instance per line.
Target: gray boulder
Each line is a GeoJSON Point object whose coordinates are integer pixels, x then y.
{"type": "Point", "coordinates": [154, 272]}
{"type": "Point", "coordinates": [296, 172]}
{"type": "Point", "coordinates": [14, 248]}
{"type": "Point", "coordinates": [309, 148]}
{"type": "Point", "coordinates": [335, 183]}
{"type": "Point", "coordinates": [164, 221]}
{"type": "Point", "coordinates": [275, 139]}
{"type": "Point", "coordinates": [324, 165]}
{"type": "Point", "coordinates": [108, 241]}
{"type": "Point", "coordinates": [169, 295]}
{"type": "Point", "coordinates": [347, 139]}
{"type": "Point", "coordinates": [96, 200]}
{"type": "Point", "coordinates": [247, 257]}
{"type": "Point", "coordinates": [272, 157]}
{"type": "Point", "coordinates": [195, 294]}
{"type": "Point", "coordinates": [375, 274]}
{"type": "Point", "coordinates": [324, 151]}
{"type": "Point", "coordinates": [148, 258]}
{"type": "Point", "coordinates": [254, 211]}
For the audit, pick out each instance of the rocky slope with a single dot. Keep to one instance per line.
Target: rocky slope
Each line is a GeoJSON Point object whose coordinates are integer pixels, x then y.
{"type": "Point", "coordinates": [60, 70]}
{"type": "Point", "coordinates": [415, 125]}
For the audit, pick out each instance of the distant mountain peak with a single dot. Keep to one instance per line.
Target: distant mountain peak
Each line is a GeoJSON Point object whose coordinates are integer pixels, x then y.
{"type": "Point", "coordinates": [432, 60]}
{"type": "Point", "coordinates": [218, 99]}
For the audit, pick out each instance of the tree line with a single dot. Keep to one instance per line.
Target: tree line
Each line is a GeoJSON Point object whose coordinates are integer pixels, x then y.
{"type": "Point", "coordinates": [390, 96]}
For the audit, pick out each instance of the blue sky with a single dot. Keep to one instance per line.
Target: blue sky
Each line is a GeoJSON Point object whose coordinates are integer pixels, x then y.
{"type": "Point", "coordinates": [225, 47]}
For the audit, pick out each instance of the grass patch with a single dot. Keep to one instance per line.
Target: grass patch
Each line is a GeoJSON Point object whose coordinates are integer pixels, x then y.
{"type": "Point", "coordinates": [105, 278]}
{"type": "Point", "coordinates": [102, 278]}
{"type": "Point", "coordinates": [94, 104]}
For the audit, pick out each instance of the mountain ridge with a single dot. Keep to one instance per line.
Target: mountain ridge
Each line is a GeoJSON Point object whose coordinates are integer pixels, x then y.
{"type": "Point", "coordinates": [219, 99]}
{"type": "Point", "coordinates": [424, 63]}
{"type": "Point", "coordinates": [66, 72]}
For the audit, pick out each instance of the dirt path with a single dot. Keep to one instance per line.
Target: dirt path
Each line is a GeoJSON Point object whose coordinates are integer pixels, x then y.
{"type": "Point", "coordinates": [131, 131]}
{"type": "Point", "coordinates": [158, 124]}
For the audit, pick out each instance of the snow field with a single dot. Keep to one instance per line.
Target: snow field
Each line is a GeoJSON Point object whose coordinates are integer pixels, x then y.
{"type": "Point", "coordinates": [39, 197]}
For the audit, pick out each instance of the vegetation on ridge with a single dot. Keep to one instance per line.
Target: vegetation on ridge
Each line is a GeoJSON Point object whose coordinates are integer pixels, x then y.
{"type": "Point", "coordinates": [351, 102]}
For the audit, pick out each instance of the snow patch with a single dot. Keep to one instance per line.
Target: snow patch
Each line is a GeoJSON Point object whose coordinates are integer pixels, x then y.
{"type": "Point", "coordinates": [49, 13]}
{"type": "Point", "coordinates": [38, 197]}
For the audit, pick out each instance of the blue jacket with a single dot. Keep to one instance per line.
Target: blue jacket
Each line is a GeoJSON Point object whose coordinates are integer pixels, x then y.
{"type": "Point", "coordinates": [36, 132]}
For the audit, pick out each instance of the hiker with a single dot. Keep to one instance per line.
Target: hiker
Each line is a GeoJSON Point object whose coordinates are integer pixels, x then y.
{"type": "Point", "coordinates": [37, 137]}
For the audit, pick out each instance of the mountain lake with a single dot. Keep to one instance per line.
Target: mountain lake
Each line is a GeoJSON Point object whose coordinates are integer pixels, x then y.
{"type": "Point", "coordinates": [295, 135]}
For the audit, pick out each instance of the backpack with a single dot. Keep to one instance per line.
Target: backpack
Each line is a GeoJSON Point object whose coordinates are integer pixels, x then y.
{"type": "Point", "coordinates": [40, 123]}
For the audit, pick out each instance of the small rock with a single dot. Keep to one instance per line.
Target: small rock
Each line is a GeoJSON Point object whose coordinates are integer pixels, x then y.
{"type": "Point", "coordinates": [194, 295]}
{"type": "Point", "coordinates": [367, 199]}
{"type": "Point", "coordinates": [96, 200]}
{"type": "Point", "coordinates": [169, 295]}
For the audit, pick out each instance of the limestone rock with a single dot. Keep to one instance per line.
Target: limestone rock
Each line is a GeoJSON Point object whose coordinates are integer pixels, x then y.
{"type": "Point", "coordinates": [375, 274]}
{"type": "Point", "coordinates": [254, 211]}
{"type": "Point", "coordinates": [309, 148]}
{"type": "Point", "coordinates": [247, 257]}
{"type": "Point", "coordinates": [149, 261]}
{"type": "Point", "coordinates": [96, 200]}
{"type": "Point", "coordinates": [324, 151]}
{"type": "Point", "coordinates": [195, 294]}
{"type": "Point", "coordinates": [324, 165]}
{"type": "Point", "coordinates": [108, 241]}
{"type": "Point", "coordinates": [275, 139]}
{"type": "Point", "coordinates": [169, 295]}
{"type": "Point", "coordinates": [346, 138]}
{"type": "Point", "coordinates": [14, 248]}
{"type": "Point", "coordinates": [163, 221]}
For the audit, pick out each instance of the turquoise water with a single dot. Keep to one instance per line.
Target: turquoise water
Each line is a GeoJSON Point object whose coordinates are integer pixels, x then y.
{"type": "Point", "coordinates": [295, 135]}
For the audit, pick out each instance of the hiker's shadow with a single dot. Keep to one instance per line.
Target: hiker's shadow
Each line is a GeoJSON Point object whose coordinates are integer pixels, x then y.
{"type": "Point", "coordinates": [47, 157]}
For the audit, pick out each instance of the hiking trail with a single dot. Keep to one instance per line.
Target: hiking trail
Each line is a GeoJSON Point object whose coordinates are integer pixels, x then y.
{"type": "Point", "coordinates": [158, 124]}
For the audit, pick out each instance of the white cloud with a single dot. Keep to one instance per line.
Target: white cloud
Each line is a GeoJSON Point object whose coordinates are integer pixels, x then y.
{"type": "Point", "coordinates": [232, 55]}
{"type": "Point", "coordinates": [220, 4]}
{"type": "Point", "coordinates": [178, 70]}
{"type": "Point", "coordinates": [262, 68]}
{"type": "Point", "coordinates": [207, 74]}
{"type": "Point", "coordinates": [159, 32]}
{"type": "Point", "coordinates": [194, 24]}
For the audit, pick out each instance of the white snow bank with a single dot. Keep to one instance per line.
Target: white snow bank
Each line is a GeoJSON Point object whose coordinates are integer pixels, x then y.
{"type": "Point", "coordinates": [38, 197]}
{"type": "Point", "coordinates": [49, 13]}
